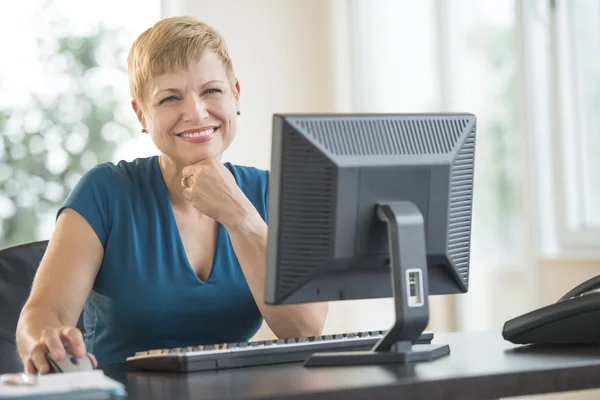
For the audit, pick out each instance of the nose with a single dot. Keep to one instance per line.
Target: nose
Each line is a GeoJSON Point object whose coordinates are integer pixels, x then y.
{"type": "Point", "coordinates": [195, 110]}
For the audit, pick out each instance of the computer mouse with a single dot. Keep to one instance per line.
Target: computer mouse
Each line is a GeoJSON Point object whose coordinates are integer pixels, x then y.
{"type": "Point", "coordinates": [70, 363]}
{"type": "Point", "coordinates": [573, 319]}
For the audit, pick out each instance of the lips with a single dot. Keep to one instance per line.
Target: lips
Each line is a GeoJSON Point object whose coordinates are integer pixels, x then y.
{"type": "Point", "coordinates": [198, 136]}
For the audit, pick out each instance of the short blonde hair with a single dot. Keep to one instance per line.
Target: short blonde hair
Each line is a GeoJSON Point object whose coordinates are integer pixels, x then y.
{"type": "Point", "coordinates": [170, 46]}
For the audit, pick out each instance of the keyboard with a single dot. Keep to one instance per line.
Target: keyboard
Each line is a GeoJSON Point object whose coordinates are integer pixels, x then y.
{"type": "Point", "coordinates": [254, 353]}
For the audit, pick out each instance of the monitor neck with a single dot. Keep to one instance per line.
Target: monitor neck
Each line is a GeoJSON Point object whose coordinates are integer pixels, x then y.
{"type": "Point", "coordinates": [408, 265]}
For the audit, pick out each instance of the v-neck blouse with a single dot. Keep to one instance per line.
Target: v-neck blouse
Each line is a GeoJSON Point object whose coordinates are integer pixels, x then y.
{"type": "Point", "coordinates": [146, 295]}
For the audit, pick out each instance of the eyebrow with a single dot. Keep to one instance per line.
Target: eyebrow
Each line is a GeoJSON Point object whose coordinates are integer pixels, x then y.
{"type": "Point", "coordinates": [156, 93]}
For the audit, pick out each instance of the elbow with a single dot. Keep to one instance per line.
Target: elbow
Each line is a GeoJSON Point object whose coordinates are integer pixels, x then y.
{"type": "Point", "coordinates": [314, 323]}
{"type": "Point", "coordinates": [319, 316]}
{"type": "Point", "coordinates": [299, 321]}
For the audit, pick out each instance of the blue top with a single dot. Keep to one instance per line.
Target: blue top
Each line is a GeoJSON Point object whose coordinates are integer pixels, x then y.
{"type": "Point", "coordinates": [146, 295]}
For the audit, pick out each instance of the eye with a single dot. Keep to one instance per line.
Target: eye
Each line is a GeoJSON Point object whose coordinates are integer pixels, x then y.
{"type": "Point", "coordinates": [210, 91]}
{"type": "Point", "coordinates": [167, 99]}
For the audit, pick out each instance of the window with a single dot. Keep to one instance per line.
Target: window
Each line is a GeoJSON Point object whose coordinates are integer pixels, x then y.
{"type": "Point", "coordinates": [458, 56]}
{"type": "Point", "coordinates": [432, 56]}
{"type": "Point", "coordinates": [561, 65]}
{"type": "Point", "coordinates": [576, 38]}
{"type": "Point", "coordinates": [65, 102]}
{"type": "Point", "coordinates": [478, 64]}
{"type": "Point", "coordinates": [393, 74]}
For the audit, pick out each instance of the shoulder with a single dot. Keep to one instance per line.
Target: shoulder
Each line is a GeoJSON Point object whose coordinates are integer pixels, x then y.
{"type": "Point", "coordinates": [112, 175]}
{"type": "Point", "coordinates": [102, 193]}
{"type": "Point", "coordinates": [109, 183]}
{"type": "Point", "coordinates": [249, 177]}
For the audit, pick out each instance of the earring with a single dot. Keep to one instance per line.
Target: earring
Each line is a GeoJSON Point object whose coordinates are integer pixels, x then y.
{"type": "Point", "coordinates": [144, 131]}
{"type": "Point", "coordinates": [238, 113]}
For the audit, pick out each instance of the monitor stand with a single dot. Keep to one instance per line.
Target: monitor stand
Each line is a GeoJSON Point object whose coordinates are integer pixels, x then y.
{"type": "Point", "coordinates": [408, 264]}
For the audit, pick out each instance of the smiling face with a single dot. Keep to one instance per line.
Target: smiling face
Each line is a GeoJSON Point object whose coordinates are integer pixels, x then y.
{"type": "Point", "coordinates": [192, 114]}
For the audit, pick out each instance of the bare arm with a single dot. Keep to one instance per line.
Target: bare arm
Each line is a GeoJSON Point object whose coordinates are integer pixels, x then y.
{"type": "Point", "coordinates": [61, 286]}
{"type": "Point", "coordinates": [215, 193]}
{"type": "Point", "coordinates": [249, 239]}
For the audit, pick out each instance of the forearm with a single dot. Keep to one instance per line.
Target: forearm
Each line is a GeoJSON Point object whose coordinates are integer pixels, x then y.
{"type": "Point", "coordinates": [32, 321]}
{"type": "Point", "coordinates": [249, 240]}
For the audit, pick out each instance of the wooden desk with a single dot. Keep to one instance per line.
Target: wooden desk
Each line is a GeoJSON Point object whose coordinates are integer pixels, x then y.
{"type": "Point", "coordinates": [481, 365]}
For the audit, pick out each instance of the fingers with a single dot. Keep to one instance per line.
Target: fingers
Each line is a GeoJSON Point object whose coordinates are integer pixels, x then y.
{"type": "Point", "coordinates": [52, 342]}
{"type": "Point", "coordinates": [189, 170]}
{"type": "Point", "coordinates": [187, 194]}
{"type": "Point", "coordinates": [187, 181]}
{"type": "Point", "coordinates": [57, 342]}
{"type": "Point", "coordinates": [30, 367]}
{"type": "Point", "coordinates": [93, 358]}
{"type": "Point", "coordinates": [38, 359]}
{"type": "Point", "coordinates": [75, 340]}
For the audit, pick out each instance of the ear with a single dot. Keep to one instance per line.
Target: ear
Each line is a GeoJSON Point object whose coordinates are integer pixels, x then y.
{"type": "Point", "coordinates": [236, 92]}
{"type": "Point", "coordinates": [139, 113]}
{"type": "Point", "coordinates": [236, 85]}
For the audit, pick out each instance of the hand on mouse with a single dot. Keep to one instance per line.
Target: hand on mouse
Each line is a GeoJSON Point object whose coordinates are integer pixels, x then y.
{"type": "Point", "coordinates": [59, 342]}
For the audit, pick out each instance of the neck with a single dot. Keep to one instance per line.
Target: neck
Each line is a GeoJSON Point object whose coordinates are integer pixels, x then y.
{"type": "Point", "coordinates": [171, 172]}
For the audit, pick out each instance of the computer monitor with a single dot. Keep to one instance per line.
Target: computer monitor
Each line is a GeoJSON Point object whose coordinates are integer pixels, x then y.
{"type": "Point", "coordinates": [369, 206]}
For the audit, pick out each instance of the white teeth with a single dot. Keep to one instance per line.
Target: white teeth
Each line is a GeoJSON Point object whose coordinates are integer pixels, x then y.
{"type": "Point", "coordinates": [198, 134]}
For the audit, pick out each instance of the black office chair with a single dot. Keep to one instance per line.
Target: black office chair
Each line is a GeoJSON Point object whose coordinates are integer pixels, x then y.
{"type": "Point", "coordinates": [18, 265]}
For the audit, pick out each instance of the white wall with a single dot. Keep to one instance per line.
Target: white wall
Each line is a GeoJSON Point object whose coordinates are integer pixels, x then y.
{"type": "Point", "coordinates": [280, 51]}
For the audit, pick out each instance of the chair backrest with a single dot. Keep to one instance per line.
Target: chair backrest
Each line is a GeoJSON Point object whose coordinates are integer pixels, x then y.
{"type": "Point", "coordinates": [18, 266]}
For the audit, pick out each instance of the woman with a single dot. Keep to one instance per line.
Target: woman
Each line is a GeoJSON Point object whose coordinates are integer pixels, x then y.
{"type": "Point", "coordinates": [166, 251]}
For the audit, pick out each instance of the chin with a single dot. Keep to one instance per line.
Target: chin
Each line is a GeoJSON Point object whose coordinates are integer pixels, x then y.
{"type": "Point", "coordinates": [201, 152]}
{"type": "Point", "coordinates": [201, 157]}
